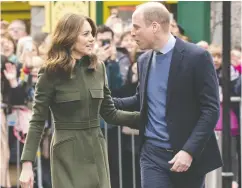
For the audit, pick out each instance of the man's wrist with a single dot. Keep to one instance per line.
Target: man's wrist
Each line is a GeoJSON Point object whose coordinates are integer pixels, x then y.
{"type": "Point", "coordinates": [187, 153]}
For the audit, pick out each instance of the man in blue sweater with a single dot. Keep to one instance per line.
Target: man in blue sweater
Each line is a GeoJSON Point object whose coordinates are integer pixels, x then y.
{"type": "Point", "coordinates": [178, 99]}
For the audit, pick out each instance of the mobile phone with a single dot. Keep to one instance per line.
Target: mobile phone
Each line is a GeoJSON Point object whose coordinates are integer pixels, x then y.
{"type": "Point", "coordinates": [106, 42]}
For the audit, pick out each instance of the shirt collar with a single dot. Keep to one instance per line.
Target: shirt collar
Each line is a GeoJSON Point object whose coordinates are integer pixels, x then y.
{"type": "Point", "coordinates": [169, 45]}
{"type": "Point", "coordinates": [82, 60]}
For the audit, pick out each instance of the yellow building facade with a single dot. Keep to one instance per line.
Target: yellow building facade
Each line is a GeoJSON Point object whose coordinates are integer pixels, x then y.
{"type": "Point", "coordinates": [52, 11]}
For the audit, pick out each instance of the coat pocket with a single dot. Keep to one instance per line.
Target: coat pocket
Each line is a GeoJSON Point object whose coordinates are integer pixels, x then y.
{"type": "Point", "coordinates": [68, 97]}
{"type": "Point", "coordinates": [62, 142]}
{"type": "Point", "coordinates": [62, 161]}
{"type": "Point", "coordinates": [97, 93]}
{"type": "Point", "coordinates": [97, 97]}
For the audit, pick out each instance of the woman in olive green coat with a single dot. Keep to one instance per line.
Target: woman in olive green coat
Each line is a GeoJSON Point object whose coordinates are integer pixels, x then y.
{"type": "Point", "coordinates": [77, 92]}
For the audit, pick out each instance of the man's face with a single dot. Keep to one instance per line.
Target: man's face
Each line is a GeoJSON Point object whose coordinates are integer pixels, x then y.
{"type": "Point", "coordinates": [142, 34]}
{"type": "Point", "coordinates": [104, 39]}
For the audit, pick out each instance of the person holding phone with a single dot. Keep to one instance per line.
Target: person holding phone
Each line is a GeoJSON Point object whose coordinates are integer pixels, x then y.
{"type": "Point", "coordinates": [106, 52]}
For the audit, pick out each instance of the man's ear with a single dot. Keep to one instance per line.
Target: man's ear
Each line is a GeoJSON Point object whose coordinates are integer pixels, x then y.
{"type": "Point", "coordinates": [155, 27]}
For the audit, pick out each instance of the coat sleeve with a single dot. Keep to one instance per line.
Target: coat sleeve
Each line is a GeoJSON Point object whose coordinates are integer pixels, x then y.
{"type": "Point", "coordinates": [206, 84]}
{"type": "Point", "coordinates": [44, 92]}
{"type": "Point", "coordinates": [113, 116]}
{"type": "Point", "coordinates": [130, 103]}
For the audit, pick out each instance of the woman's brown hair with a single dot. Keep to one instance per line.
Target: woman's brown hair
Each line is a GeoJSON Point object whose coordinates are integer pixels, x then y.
{"type": "Point", "coordinates": [38, 39]}
{"type": "Point", "coordinates": [59, 59]}
{"type": "Point", "coordinates": [126, 33]}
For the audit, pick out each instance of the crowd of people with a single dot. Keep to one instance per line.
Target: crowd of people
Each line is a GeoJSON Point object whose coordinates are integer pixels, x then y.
{"type": "Point", "coordinates": [22, 56]}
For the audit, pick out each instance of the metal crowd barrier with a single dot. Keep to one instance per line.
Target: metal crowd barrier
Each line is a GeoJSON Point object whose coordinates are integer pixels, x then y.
{"type": "Point", "coordinates": [214, 178]}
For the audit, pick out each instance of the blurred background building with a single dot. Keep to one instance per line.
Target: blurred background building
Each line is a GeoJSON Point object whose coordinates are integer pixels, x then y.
{"type": "Point", "coordinates": [200, 20]}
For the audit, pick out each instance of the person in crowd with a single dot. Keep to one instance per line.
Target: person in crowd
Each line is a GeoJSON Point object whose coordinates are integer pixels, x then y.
{"type": "Point", "coordinates": [116, 24]}
{"type": "Point", "coordinates": [24, 45]}
{"type": "Point", "coordinates": [39, 40]}
{"type": "Point", "coordinates": [32, 58]}
{"type": "Point", "coordinates": [5, 153]}
{"type": "Point", "coordinates": [216, 52]}
{"type": "Point", "coordinates": [12, 94]}
{"type": "Point", "coordinates": [106, 51]}
{"type": "Point", "coordinates": [72, 83]}
{"type": "Point", "coordinates": [42, 42]}
{"type": "Point", "coordinates": [125, 52]}
{"type": "Point", "coordinates": [179, 103]}
{"type": "Point", "coordinates": [43, 48]}
{"type": "Point", "coordinates": [127, 90]}
{"type": "Point", "coordinates": [127, 42]}
{"type": "Point", "coordinates": [236, 59]}
{"type": "Point", "coordinates": [185, 38]}
{"type": "Point", "coordinates": [203, 44]}
{"type": "Point", "coordinates": [176, 29]}
{"type": "Point", "coordinates": [3, 27]}
{"type": "Point", "coordinates": [17, 29]}
{"type": "Point", "coordinates": [237, 64]}
{"type": "Point", "coordinates": [8, 47]}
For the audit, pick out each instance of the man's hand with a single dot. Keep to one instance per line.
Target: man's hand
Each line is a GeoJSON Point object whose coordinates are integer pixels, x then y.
{"type": "Point", "coordinates": [113, 53]}
{"type": "Point", "coordinates": [181, 162]}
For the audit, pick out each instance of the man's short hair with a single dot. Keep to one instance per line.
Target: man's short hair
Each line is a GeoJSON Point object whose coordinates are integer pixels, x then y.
{"type": "Point", "coordinates": [155, 11]}
{"type": "Point", "coordinates": [104, 29]}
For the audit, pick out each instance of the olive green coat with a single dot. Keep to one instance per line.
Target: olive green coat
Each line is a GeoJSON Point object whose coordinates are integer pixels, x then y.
{"type": "Point", "coordinates": [78, 148]}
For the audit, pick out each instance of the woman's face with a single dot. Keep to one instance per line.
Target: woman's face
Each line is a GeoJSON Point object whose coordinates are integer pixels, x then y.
{"type": "Point", "coordinates": [85, 41]}
{"type": "Point", "coordinates": [7, 47]}
{"type": "Point", "coordinates": [37, 63]}
{"type": "Point", "coordinates": [129, 43]}
{"type": "Point", "coordinates": [34, 50]}
{"type": "Point", "coordinates": [43, 48]}
{"type": "Point", "coordinates": [174, 28]}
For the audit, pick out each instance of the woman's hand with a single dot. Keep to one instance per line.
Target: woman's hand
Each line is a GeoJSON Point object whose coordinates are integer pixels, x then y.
{"type": "Point", "coordinates": [10, 73]}
{"type": "Point", "coordinates": [27, 176]}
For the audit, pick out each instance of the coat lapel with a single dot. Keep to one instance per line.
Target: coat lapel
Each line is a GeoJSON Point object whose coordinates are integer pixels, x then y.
{"type": "Point", "coordinates": [146, 67]}
{"type": "Point", "coordinates": [176, 63]}
{"type": "Point", "coordinates": [147, 63]}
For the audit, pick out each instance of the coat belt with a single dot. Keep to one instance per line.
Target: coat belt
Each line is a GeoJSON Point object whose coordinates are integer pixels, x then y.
{"type": "Point", "coordinates": [77, 125]}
